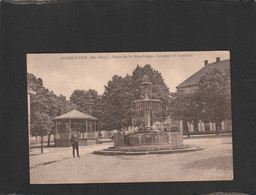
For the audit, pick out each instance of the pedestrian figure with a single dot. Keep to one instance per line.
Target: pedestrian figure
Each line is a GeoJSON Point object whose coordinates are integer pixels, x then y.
{"type": "Point", "coordinates": [74, 144]}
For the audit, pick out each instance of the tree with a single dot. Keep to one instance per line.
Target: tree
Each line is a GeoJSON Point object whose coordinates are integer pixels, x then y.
{"type": "Point", "coordinates": [116, 102]}
{"type": "Point", "coordinates": [45, 102]}
{"type": "Point", "coordinates": [64, 105]}
{"type": "Point", "coordinates": [185, 107]}
{"type": "Point", "coordinates": [81, 100]}
{"type": "Point", "coordinates": [42, 125]}
{"type": "Point", "coordinates": [215, 95]}
{"type": "Point", "coordinates": [210, 102]}
{"type": "Point", "coordinates": [120, 92]}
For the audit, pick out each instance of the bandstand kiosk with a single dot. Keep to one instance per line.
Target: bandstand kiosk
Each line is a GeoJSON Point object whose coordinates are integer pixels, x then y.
{"type": "Point", "coordinates": [75, 121]}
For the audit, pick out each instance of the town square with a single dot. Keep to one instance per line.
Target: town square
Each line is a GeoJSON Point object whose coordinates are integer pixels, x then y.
{"type": "Point", "coordinates": [129, 117]}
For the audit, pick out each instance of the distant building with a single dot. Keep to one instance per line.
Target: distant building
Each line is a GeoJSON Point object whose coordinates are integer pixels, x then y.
{"type": "Point", "coordinates": [191, 83]}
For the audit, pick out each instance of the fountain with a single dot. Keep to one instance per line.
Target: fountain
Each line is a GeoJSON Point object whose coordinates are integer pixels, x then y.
{"type": "Point", "coordinates": [150, 138]}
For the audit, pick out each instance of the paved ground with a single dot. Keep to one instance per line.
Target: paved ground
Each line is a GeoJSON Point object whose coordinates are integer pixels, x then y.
{"type": "Point", "coordinates": [57, 165]}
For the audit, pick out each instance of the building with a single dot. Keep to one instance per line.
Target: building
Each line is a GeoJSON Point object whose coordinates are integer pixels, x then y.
{"type": "Point", "coordinates": [29, 92]}
{"type": "Point", "coordinates": [191, 84]}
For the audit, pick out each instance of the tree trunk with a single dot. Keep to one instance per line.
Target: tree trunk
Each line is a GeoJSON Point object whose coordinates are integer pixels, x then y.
{"type": "Point", "coordinates": [218, 125]}
{"type": "Point", "coordinates": [48, 143]}
{"type": "Point", "coordinates": [42, 145]}
{"type": "Point", "coordinates": [196, 125]}
{"type": "Point", "coordinates": [185, 128]}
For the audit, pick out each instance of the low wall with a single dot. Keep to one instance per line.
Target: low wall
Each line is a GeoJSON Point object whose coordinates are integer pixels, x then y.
{"type": "Point", "coordinates": [62, 143]}
{"type": "Point", "coordinates": [82, 142]}
{"type": "Point", "coordinates": [38, 139]}
{"type": "Point", "coordinates": [207, 132]}
{"type": "Point", "coordinates": [108, 134]}
{"type": "Point", "coordinates": [87, 142]}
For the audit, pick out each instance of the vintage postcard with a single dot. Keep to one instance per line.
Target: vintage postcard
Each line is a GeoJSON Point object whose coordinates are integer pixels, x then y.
{"type": "Point", "coordinates": [129, 117]}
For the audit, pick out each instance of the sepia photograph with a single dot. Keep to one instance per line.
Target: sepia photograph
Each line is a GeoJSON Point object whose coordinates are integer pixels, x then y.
{"type": "Point", "coordinates": [129, 117]}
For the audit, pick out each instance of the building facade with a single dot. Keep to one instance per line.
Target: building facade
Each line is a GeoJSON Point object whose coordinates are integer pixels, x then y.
{"type": "Point", "coordinates": [29, 92]}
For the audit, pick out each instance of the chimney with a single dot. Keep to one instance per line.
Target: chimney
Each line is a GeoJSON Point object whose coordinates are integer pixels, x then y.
{"type": "Point", "coordinates": [205, 62]}
{"type": "Point", "coordinates": [217, 59]}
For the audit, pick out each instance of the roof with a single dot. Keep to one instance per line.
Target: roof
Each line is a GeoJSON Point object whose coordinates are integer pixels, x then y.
{"type": "Point", "coordinates": [74, 114]}
{"type": "Point", "coordinates": [194, 79]}
{"type": "Point", "coordinates": [31, 91]}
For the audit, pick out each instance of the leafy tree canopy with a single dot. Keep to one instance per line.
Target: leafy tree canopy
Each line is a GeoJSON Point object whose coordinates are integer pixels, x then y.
{"type": "Point", "coordinates": [120, 92]}
{"type": "Point", "coordinates": [215, 95]}
{"type": "Point", "coordinates": [42, 124]}
{"type": "Point", "coordinates": [210, 102]}
{"type": "Point", "coordinates": [45, 105]}
{"type": "Point", "coordinates": [83, 98]}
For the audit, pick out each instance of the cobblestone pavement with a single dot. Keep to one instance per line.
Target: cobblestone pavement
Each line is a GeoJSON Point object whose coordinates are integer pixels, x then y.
{"type": "Point", "coordinates": [56, 165]}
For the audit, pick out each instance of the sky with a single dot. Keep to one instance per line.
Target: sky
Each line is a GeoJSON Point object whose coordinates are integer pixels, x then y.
{"type": "Point", "coordinates": [65, 72]}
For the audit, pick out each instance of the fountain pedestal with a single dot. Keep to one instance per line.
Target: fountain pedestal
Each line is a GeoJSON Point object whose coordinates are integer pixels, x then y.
{"type": "Point", "coordinates": [148, 143]}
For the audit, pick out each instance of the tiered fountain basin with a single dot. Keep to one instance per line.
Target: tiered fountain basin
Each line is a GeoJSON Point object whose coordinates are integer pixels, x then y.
{"type": "Point", "coordinates": [150, 142]}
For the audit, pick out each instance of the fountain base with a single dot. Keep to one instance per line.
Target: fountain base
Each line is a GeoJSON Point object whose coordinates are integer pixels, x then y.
{"type": "Point", "coordinates": [148, 142]}
{"type": "Point", "coordinates": [148, 137]}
